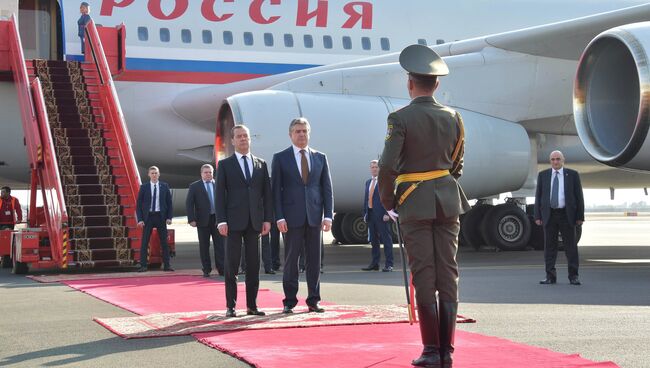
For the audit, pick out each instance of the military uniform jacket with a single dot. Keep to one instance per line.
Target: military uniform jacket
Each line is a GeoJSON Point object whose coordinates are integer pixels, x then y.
{"type": "Point", "coordinates": [422, 137]}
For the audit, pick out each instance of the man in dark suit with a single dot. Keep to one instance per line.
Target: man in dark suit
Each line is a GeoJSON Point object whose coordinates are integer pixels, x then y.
{"type": "Point", "coordinates": [201, 214]}
{"type": "Point", "coordinates": [418, 172]}
{"type": "Point", "coordinates": [244, 210]}
{"type": "Point", "coordinates": [303, 201]}
{"type": "Point", "coordinates": [559, 207]}
{"type": "Point", "coordinates": [154, 209]}
{"type": "Point", "coordinates": [377, 219]}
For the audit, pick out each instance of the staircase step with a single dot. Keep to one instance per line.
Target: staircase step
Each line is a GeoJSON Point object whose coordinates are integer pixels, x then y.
{"type": "Point", "coordinates": [92, 200]}
{"type": "Point", "coordinates": [96, 189]}
{"type": "Point", "coordinates": [95, 210]}
{"type": "Point", "coordinates": [99, 243]}
{"type": "Point", "coordinates": [102, 264]}
{"type": "Point", "coordinates": [103, 255]}
{"type": "Point", "coordinates": [97, 232]}
{"type": "Point", "coordinates": [98, 221]}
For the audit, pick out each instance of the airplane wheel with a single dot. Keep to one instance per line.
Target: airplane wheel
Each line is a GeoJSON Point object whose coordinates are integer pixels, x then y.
{"type": "Point", "coordinates": [337, 230]}
{"type": "Point", "coordinates": [355, 230]}
{"type": "Point", "coordinates": [6, 262]}
{"type": "Point", "coordinates": [471, 229]}
{"type": "Point", "coordinates": [507, 227]}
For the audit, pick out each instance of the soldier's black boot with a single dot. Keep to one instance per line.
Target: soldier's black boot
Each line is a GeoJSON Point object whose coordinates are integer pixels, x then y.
{"type": "Point", "coordinates": [429, 331]}
{"type": "Point", "coordinates": [448, 312]}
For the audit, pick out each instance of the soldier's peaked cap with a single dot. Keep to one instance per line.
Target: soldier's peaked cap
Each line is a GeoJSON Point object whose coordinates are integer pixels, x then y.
{"type": "Point", "coordinates": [84, 4]}
{"type": "Point", "coordinates": [419, 59]}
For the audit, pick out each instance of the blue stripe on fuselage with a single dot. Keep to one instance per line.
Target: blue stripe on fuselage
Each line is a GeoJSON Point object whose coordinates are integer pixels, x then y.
{"type": "Point", "coordinates": [212, 66]}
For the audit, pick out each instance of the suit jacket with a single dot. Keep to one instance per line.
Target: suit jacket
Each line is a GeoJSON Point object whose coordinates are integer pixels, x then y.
{"type": "Point", "coordinates": [143, 205]}
{"type": "Point", "coordinates": [293, 200]}
{"type": "Point", "coordinates": [378, 210]}
{"type": "Point", "coordinates": [573, 200]}
{"type": "Point", "coordinates": [422, 137]}
{"type": "Point", "coordinates": [197, 203]}
{"type": "Point", "coordinates": [239, 202]}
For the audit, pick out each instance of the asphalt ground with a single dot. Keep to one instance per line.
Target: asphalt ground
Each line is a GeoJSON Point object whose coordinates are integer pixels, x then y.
{"type": "Point", "coordinates": [607, 318]}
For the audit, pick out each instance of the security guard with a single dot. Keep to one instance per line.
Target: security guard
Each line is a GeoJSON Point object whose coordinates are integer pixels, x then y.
{"type": "Point", "coordinates": [11, 212]}
{"type": "Point", "coordinates": [422, 158]}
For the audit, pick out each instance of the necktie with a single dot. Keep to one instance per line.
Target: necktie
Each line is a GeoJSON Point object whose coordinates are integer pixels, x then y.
{"type": "Point", "coordinates": [555, 191]}
{"type": "Point", "coordinates": [304, 167]}
{"type": "Point", "coordinates": [246, 169]}
{"type": "Point", "coordinates": [153, 199]}
{"type": "Point", "coordinates": [208, 187]}
{"type": "Point", "coordinates": [372, 192]}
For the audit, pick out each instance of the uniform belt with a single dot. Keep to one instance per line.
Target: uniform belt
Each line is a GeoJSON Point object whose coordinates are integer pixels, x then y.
{"type": "Point", "coordinates": [417, 178]}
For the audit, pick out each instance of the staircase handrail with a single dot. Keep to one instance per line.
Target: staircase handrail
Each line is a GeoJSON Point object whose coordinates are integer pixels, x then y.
{"type": "Point", "coordinates": [112, 110]}
{"type": "Point", "coordinates": [56, 216]}
{"type": "Point", "coordinates": [21, 80]}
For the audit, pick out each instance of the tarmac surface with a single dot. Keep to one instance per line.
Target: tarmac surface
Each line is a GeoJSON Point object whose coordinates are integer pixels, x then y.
{"type": "Point", "coordinates": [607, 318]}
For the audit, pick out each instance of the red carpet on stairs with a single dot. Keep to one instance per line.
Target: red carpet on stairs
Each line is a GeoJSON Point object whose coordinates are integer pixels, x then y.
{"type": "Point", "coordinates": [380, 345]}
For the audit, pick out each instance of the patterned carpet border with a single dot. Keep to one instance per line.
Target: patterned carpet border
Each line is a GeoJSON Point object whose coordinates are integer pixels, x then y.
{"type": "Point", "coordinates": [110, 275]}
{"type": "Point", "coordinates": [178, 324]}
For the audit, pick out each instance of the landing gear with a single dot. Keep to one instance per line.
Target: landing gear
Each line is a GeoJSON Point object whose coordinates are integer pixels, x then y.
{"type": "Point", "coordinates": [355, 230]}
{"type": "Point", "coordinates": [6, 262]}
{"type": "Point", "coordinates": [470, 229]}
{"type": "Point", "coordinates": [506, 226]}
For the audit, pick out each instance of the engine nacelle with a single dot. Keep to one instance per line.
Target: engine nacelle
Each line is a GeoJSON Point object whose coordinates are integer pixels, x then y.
{"type": "Point", "coordinates": [351, 130]}
{"type": "Point", "coordinates": [611, 97]}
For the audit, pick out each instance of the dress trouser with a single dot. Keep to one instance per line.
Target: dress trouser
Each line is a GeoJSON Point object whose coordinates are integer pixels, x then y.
{"type": "Point", "coordinates": [297, 238]}
{"type": "Point", "coordinates": [251, 241]}
{"type": "Point", "coordinates": [431, 245]}
{"type": "Point", "coordinates": [559, 223]}
{"type": "Point", "coordinates": [378, 230]}
{"type": "Point", "coordinates": [205, 233]}
{"type": "Point", "coordinates": [154, 220]}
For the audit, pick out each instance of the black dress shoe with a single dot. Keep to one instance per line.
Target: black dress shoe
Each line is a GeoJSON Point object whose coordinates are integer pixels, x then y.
{"type": "Point", "coordinates": [387, 269]}
{"type": "Point", "coordinates": [371, 268]}
{"type": "Point", "coordinates": [230, 312]}
{"type": "Point", "coordinates": [287, 309]}
{"type": "Point", "coordinates": [168, 269]}
{"type": "Point", "coordinates": [574, 281]}
{"type": "Point", "coordinates": [206, 274]}
{"type": "Point", "coordinates": [255, 312]}
{"type": "Point", "coordinates": [315, 308]}
{"type": "Point", "coordinates": [142, 269]}
{"type": "Point", "coordinates": [220, 272]}
{"type": "Point", "coordinates": [269, 272]}
{"type": "Point", "coordinates": [548, 281]}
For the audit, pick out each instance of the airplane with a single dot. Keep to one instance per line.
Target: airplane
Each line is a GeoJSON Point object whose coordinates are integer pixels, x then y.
{"type": "Point", "coordinates": [195, 68]}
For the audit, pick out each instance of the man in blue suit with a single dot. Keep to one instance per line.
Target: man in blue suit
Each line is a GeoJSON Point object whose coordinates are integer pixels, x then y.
{"type": "Point", "coordinates": [377, 219]}
{"type": "Point", "coordinates": [154, 209]}
{"type": "Point", "coordinates": [303, 201]}
{"type": "Point", "coordinates": [559, 207]}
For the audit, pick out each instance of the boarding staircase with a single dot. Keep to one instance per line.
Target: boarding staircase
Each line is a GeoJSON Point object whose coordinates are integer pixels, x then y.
{"type": "Point", "coordinates": [81, 160]}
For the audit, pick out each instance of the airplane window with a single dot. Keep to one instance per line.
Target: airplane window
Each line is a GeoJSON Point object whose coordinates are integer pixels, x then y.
{"type": "Point", "coordinates": [347, 42]}
{"type": "Point", "coordinates": [143, 34]}
{"type": "Point", "coordinates": [186, 36]}
{"type": "Point", "coordinates": [309, 41]}
{"type": "Point", "coordinates": [164, 34]}
{"type": "Point", "coordinates": [268, 39]}
{"type": "Point", "coordinates": [207, 36]}
{"type": "Point", "coordinates": [365, 43]}
{"type": "Point", "coordinates": [440, 41]}
{"type": "Point", "coordinates": [327, 42]}
{"type": "Point", "coordinates": [422, 41]}
{"type": "Point", "coordinates": [288, 40]}
{"type": "Point", "coordinates": [385, 43]}
{"type": "Point", "coordinates": [227, 37]}
{"type": "Point", "coordinates": [248, 38]}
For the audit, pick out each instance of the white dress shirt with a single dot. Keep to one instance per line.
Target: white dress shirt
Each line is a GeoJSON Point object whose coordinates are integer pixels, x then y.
{"type": "Point", "coordinates": [560, 192]}
{"type": "Point", "coordinates": [249, 160]}
{"type": "Point", "coordinates": [153, 185]}
{"type": "Point", "coordinates": [298, 156]}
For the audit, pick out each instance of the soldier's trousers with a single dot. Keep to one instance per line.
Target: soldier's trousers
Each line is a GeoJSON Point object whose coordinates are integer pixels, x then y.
{"type": "Point", "coordinates": [431, 246]}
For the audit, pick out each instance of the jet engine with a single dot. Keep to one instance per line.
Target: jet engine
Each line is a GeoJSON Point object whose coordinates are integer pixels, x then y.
{"type": "Point", "coordinates": [611, 97]}
{"type": "Point", "coordinates": [351, 130]}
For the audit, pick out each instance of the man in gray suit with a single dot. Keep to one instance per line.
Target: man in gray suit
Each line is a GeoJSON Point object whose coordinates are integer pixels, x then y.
{"type": "Point", "coordinates": [303, 201]}
{"type": "Point", "coordinates": [244, 211]}
{"type": "Point", "coordinates": [422, 158]}
{"type": "Point", "coordinates": [201, 214]}
{"type": "Point", "coordinates": [559, 207]}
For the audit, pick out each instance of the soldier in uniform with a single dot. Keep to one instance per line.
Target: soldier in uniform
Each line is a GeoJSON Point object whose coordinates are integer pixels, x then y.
{"type": "Point", "coordinates": [421, 161]}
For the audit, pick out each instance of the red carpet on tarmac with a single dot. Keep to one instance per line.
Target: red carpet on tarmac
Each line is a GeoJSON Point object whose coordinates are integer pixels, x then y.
{"type": "Point", "coordinates": [373, 345]}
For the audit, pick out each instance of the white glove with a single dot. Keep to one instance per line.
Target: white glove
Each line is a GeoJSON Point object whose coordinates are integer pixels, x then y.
{"type": "Point", "coordinates": [393, 215]}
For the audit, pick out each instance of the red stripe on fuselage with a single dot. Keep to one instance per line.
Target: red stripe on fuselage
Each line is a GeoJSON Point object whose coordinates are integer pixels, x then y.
{"type": "Point", "coordinates": [183, 77]}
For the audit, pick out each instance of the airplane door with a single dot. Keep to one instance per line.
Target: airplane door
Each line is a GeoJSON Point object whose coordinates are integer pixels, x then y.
{"type": "Point", "coordinates": [39, 23]}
